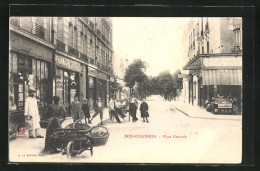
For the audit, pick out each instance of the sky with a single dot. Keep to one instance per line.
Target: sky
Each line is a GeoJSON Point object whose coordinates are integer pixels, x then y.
{"type": "Point", "coordinates": [158, 41]}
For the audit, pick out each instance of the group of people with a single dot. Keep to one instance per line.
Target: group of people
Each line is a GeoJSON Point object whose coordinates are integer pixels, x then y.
{"type": "Point", "coordinates": [79, 111]}
{"type": "Point", "coordinates": [115, 111]}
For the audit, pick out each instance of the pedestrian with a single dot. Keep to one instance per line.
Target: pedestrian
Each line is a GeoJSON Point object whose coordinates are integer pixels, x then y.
{"type": "Point", "coordinates": [144, 111]}
{"type": "Point", "coordinates": [133, 107]}
{"type": "Point", "coordinates": [119, 111]}
{"type": "Point", "coordinates": [32, 117]}
{"type": "Point", "coordinates": [112, 111]}
{"type": "Point", "coordinates": [85, 108]}
{"type": "Point", "coordinates": [98, 107]}
{"type": "Point", "coordinates": [57, 115]}
{"type": "Point", "coordinates": [76, 110]}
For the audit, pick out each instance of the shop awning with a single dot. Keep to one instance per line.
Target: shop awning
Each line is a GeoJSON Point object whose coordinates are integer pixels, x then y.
{"type": "Point", "coordinates": [222, 77]}
{"type": "Point", "coordinates": [194, 63]}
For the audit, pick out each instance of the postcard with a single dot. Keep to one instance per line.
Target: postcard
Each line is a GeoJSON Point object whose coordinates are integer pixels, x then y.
{"type": "Point", "coordinates": [125, 89]}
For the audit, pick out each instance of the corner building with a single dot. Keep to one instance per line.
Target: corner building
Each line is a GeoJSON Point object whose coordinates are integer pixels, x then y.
{"type": "Point", "coordinates": [214, 60]}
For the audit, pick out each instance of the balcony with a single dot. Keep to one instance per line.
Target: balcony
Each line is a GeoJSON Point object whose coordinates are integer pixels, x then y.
{"type": "Point", "coordinates": [91, 24]}
{"type": "Point", "coordinates": [103, 38]}
{"type": "Point", "coordinates": [98, 32]}
{"type": "Point", "coordinates": [91, 60]}
{"type": "Point", "coordinates": [40, 31]}
{"type": "Point", "coordinates": [84, 57]}
{"type": "Point", "coordinates": [60, 45]}
{"type": "Point", "coordinates": [73, 52]}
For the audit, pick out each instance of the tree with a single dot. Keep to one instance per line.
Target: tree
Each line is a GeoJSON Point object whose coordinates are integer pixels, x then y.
{"type": "Point", "coordinates": [177, 82]}
{"type": "Point", "coordinates": [135, 73]}
{"type": "Point", "coordinates": [166, 84]}
{"type": "Point", "coordinates": [115, 86]}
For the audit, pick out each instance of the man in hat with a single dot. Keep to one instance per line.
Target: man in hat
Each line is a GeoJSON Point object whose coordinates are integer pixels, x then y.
{"type": "Point", "coordinates": [133, 107]}
{"type": "Point", "coordinates": [32, 117]}
{"type": "Point", "coordinates": [98, 107]}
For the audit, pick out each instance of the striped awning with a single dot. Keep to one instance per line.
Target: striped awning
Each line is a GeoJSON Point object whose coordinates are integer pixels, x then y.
{"type": "Point", "coordinates": [222, 77]}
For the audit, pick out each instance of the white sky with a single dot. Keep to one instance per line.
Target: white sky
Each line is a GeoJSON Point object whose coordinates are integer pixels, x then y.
{"type": "Point", "coordinates": [158, 41]}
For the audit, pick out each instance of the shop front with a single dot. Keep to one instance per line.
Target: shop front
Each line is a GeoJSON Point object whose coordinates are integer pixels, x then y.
{"type": "Point", "coordinates": [225, 83]}
{"type": "Point", "coordinates": [92, 86]}
{"type": "Point", "coordinates": [29, 68]}
{"type": "Point", "coordinates": [66, 83]}
{"type": "Point", "coordinates": [102, 88]}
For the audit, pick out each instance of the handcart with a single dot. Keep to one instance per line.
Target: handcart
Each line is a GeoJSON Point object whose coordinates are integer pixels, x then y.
{"type": "Point", "coordinates": [73, 139]}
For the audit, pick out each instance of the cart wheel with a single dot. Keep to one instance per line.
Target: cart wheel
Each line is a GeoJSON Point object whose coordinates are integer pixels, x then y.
{"type": "Point", "coordinates": [70, 150]}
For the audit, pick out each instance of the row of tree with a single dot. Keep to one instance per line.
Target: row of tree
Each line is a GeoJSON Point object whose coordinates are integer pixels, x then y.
{"type": "Point", "coordinates": [165, 84]}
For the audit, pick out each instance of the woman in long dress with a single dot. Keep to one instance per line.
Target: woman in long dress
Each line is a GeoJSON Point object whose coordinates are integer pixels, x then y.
{"type": "Point", "coordinates": [57, 114]}
{"type": "Point", "coordinates": [144, 111]}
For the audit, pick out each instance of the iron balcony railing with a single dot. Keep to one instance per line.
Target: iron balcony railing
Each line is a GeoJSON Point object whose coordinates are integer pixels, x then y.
{"type": "Point", "coordinates": [84, 57]}
{"type": "Point", "coordinates": [91, 25]}
{"type": "Point", "coordinates": [40, 31]}
{"type": "Point", "coordinates": [103, 38]}
{"type": "Point", "coordinates": [60, 45]}
{"type": "Point", "coordinates": [73, 52]}
{"type": "Point", "coordinates": [98, 32]}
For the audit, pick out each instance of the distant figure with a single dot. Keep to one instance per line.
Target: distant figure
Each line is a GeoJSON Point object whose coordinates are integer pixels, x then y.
{"type": "Point", "coordinates": [76, 111]}
{"type": "Point", "coordinates": [57, 112]}
{"type": "Point", "coordinates": [133, 107]}
{"type": "Point", "coordinates": [31, 113]}
{"type": "Point", "coordinates": [85, 108]}
{"type": "Point", "coordinates": [98, 107]}
{"type": "Point", "coordinates": [144, 111]}
{"type": "Point", "coordinates": [112, 111]}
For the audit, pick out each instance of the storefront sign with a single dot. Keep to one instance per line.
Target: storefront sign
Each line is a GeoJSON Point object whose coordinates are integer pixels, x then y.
{"type": "Point", "coordinates": [182, 75]}
{"type": "Point", "coordinates": [68, 63]}
{"type": "Point", "coordinates": [102, 76]}
{"type": "Point", "coordinates": [92, 71]}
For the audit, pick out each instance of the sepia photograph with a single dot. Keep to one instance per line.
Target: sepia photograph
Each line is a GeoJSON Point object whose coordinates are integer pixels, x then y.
{"type": "Point", "coordinates": [125, 89]}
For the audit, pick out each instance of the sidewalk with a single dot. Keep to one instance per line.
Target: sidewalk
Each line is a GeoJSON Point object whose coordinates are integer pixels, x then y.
{"type": "Point", "coordinates": [199, 112]}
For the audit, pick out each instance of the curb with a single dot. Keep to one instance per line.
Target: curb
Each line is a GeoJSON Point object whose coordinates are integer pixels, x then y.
{"type": "Point", "coordinates": [203, 117]}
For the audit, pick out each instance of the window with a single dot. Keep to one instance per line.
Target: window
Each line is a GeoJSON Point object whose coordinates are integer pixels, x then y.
{"type": "Point", "coordinates": [67, 86]}
{"type": "Point", "coordinates": [27, 73]}
{"type": "Point", "coordinates": [238, 39]}
{"type": "Point", "coordinates": [207, 46]}
{"type": "Point", "coordinates": [193, 38]}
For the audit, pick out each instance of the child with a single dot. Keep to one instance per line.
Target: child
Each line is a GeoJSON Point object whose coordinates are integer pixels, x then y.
{"type": "Point", "coordinates": [85, 108]}
{"type": "Point", "coordinates": [144, 111]}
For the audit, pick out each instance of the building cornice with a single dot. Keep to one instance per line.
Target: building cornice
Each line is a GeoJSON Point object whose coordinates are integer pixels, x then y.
{"type": "Point", "coordinates": [31, 36]}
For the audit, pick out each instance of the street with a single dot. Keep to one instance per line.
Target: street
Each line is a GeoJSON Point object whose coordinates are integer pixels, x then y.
{"type": "Point", "coordinates": [170, 137]}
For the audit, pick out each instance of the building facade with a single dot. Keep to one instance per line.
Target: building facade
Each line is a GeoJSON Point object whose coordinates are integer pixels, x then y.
{"type": "Point", "coordinates": [59, 56]}
{"type": "Point", "coordinates": [214, 60]}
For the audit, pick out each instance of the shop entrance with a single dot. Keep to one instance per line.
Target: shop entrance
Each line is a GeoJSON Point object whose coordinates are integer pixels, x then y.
{"type": "Point", "coordinates": [66, 86]}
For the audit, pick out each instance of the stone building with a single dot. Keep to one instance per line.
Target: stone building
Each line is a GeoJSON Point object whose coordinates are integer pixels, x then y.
{"type": "Point", "coordinates": [213, 60]}
{"type": "Point", "coordinates": [62, 56]}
